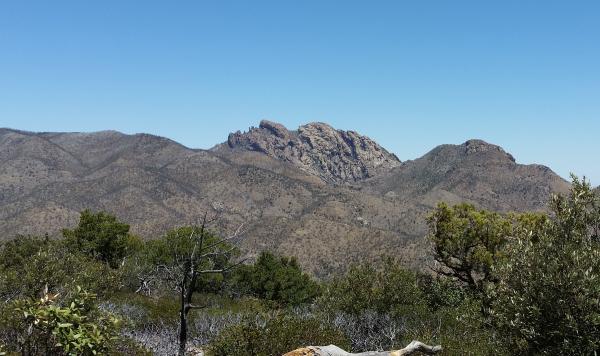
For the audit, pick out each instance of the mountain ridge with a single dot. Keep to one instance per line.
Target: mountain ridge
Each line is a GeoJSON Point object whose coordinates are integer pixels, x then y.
{"type": "Point", "coordinates": [154, 183]}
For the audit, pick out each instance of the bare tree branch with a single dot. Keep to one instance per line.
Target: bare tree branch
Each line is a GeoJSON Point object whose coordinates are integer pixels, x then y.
{"type": "Point", "coordinates": [223, 270]}
{"type": "Point", "coordinates": [187, 268]}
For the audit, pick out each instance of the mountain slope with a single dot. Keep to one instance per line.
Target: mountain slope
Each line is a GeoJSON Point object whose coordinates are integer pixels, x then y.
{"type": "Point", "coordinates": [475, 171]}
{"type": "Point", "coordinates": [286, 205]}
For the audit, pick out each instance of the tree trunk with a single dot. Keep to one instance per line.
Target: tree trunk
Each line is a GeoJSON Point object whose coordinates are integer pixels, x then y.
{"type": "Point", "coordinates": [182, 328]}
{"type": "Point", "coordinates": [183, 314]}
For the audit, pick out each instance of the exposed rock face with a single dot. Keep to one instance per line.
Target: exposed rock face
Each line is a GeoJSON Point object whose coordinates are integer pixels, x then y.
{"type": "Point", "coordinates": [480, 146]}
{"type": "Point", "coordinates": [319, 149]}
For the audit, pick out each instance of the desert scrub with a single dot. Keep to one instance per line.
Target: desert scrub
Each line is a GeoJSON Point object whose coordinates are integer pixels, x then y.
{"type": "Point", "coordinates": [274, 336]}
{"type": "Point", "coordinates": [141, 310]}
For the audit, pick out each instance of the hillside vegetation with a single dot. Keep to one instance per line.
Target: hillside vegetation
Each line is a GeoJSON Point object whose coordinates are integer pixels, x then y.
{"type": "Point", "coordinates": [504, 284]}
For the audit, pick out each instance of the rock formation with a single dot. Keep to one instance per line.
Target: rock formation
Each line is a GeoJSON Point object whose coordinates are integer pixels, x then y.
{"type": "Point", "coordinates": [319, 149]}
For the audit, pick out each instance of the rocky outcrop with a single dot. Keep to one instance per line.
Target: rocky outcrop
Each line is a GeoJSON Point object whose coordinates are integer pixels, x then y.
{"type": "Point", "coordinates": [479, 146]}
{"type": "Point", "coordinates": [334, 155]}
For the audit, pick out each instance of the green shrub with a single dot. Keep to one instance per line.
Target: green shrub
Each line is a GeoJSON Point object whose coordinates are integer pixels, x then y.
{"type": "Point", "coordinates": [54, 265]}
{"type": "Point", "coordinates": [388, 306]}
{"type": "Point", "coordinates": [154, 310]}
{"type": "Point", "coordinates": [276, 279]}
{"type": "Point", "coordinates": [75, 328]}
{"type": "Point", "coordinates": [125, 346]}
{"type": "Point", "coordinates": [467, 242]}
{"type": "Point", "coordinates": [548, 299]}
{"type": "Point", "coordinates": [17, 252]}
{"type": "Point", "coordinates": [101, 236]}
{"type": "Point", "coordinates": [388, 290]}
{"type": "Point", "coordinates": [277, 336]}
{"type": "Point", "coordinates": [536, 276]}
{"type": "Point", "coordinates": [440, 292]}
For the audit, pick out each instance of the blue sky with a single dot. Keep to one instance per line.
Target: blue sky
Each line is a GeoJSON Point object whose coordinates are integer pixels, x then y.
{"type": "Point", "coordinates": [410, 74]}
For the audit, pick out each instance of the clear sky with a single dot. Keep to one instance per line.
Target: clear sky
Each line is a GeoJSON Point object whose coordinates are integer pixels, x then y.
{"type": "Point", "coordinates": [410, 74]}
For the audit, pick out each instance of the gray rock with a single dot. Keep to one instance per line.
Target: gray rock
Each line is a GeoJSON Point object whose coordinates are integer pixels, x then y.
{"type": "Point", "coordinates": [480, 146]}
{"type": "Point", "coordinates": [335, 156]}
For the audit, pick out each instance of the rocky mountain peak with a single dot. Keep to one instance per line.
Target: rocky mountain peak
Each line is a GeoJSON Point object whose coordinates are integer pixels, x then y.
{"type": "Point", "coordinates": [334, 155]}
{"type": "Point", "coordinates": [276, 129]}
{"type": "Point", "coordinates": [479, 146]}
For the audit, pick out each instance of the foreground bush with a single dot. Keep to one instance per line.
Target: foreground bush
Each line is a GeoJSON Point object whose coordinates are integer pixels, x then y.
{"type": "Point", "coordinates": [386, 307]}
{"type": "Point", "coordinates": [44, 326]}
{"type": "Point", "coordinates": [277, 279]}
{"type": "Point", "coordinates": [101, 236]}
{"type": "Point", "coordinates": [389, 289]}
{"type": "Point", "coordinates": [275, 336]}
{"type": "Point", "coordinates": [28, 264]}
{"type": "Point", "coordinates": [547, 300]}
{"type": "Point", "coordinates": [536, 276]}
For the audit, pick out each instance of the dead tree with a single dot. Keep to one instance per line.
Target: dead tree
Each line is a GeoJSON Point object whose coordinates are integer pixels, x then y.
{"type": "Point", "coordinates": [188, 266]}
{"type": "Point", "coordinates": [332, 350]}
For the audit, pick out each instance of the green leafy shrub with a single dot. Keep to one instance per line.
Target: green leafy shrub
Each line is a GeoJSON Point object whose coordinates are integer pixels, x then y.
{"type": "Point", "coordinates": [125, 346]}
{"type": "Point", "coordinates": [440, 292]}
{"type": "Point", "coordinates": [153, 310]}
{"type": "Point", "coordinates": [536, 276]}
{"type": "Point", "coordinates": [390, 289]}
{"type": "Point", "coordinates": [30, 268]}
{"type": "Point", "coordinates": [76, 328]}
{"type": "Point", "coordinates": [460, 329]}
{"type": "Point", "coordinates": [101, 236]}
{"type": "Point", "coordinates": [388, 306]}
{"type": "Point", "coordinates": [277, 279]}
{"type": "Point", "coordinates": [547, 300]}
{"type": "Point", "coordinates": [276, 336]}
{"type": "Point", "coordinates": [17, 252]}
